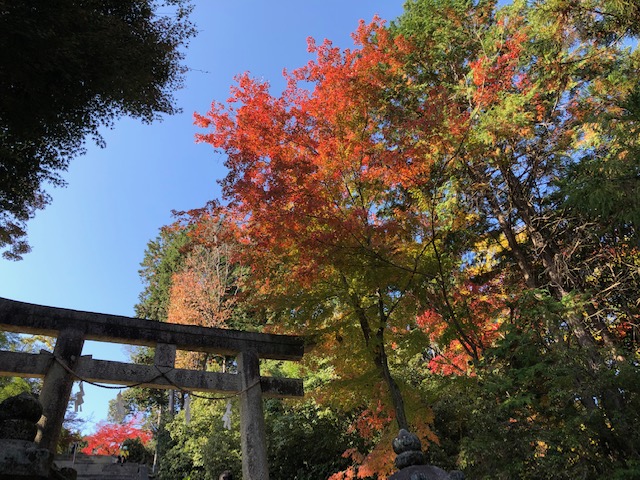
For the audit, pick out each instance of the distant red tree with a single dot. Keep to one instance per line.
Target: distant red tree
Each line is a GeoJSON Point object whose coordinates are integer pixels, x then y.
{"type": "Point", "coordinates": [109, 437]}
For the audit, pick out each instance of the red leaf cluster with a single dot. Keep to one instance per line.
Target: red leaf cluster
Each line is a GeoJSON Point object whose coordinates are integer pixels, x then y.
{"type": "Point", "coordinates": [109, 437]}
{"type": "Point", "coordinates": [311, 174]}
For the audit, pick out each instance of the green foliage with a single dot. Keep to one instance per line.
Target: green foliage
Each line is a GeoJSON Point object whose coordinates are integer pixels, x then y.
{"type": "Point", "coordinates": [493, 180]}
{"type": "Point", "coordinates": [12, 386]}
{"type": "Point", "coordinates": [306, 441]}
{"type": "Point", "coordinates": [71, 433]}
{"type": "Point", "coordinates": [524, 417]}
{"type": "Point", "coordinates": [598, 19]}
{"type": "Point", "coordinates": [548, 160]}
{"type": "Point", "coordinates": [604, 187]}
{"type": "Point", "coordinates": [446, 33]}
{"type": "Point", "coordinates": [137, 452]}
{"type": "Point", "coordinates": [163, 258]}
{"type": "Point", "coordinates": [606, 191]}
{"type": "Point", "coordinates": [203, 448]}
{"type": "Point", "coordinates": [89, 63]}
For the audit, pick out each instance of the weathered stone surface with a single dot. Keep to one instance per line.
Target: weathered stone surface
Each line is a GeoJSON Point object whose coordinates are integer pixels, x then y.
{"type": "Point", "coordinates": [69, 473]}
{"type": "Point", "coordinates": [20, 459]}
{"type": "Point", "coordinates": [165, 355]}
{"type": "Point", "coordinates": [406, 459]}
{"type": "Point", "coordinates": [119, 373]}
{"type": "Point", "coordinates": [93, 466]}
{"type": "Point", "coordinates": [64, 473]}
{"type": "Point", "coordinates": [18, 429]}
{"type": "Point", "coordinates": [409, 449]}
{"type": "Point", "coordinates": [410, 461]}
{"type": "Point", "coordinates": [23, 317]}
{"type": "Point", "coordinates": [421, 472]}
{"type": "Point", "coordinates": [23, 406]}
{"type": "Point", "coordinates": [121, 469]}
{"type": "Point", "coordinates": [406, 441]}
{"type": "Point", "coordinates": [252, 429]}
{"type": "Point", "coordinates": [57, 386]}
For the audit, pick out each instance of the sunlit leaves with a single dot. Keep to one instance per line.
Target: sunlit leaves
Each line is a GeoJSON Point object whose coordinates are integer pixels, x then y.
{"type": "Point", "coordinates": [109, 437]}
{"type": "Point", "coordinates": [411, 203]}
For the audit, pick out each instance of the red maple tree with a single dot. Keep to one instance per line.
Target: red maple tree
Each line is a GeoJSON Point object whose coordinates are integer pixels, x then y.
{"type": "Point", "coordinates": [109, 437]}
{"type": "Point", "coordinates": [311, 187]}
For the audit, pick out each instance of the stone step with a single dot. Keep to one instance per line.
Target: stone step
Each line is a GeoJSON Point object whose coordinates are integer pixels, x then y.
{"type": "Point", "coordinates": [90, 467]}
{"type": "Point", "coordinates": [82, 458]}
{"type": "Point", "coordinates": [107, 477]}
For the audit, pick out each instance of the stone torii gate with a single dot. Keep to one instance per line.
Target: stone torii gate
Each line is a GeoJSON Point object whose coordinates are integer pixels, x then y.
{"type": "Point", "coordinates": [67, 364]}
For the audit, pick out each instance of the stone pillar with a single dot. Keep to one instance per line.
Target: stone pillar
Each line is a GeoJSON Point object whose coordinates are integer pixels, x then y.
{"type": "Point", "coordinates": [56, 388]}
{"type": "Point", "coordinates": [252, 430]}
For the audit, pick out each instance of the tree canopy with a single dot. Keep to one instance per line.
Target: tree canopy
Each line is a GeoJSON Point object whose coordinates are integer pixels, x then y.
{"type": "Point", "coordinates": [67, 69]}
{"type": "Point", "coordinates": [449, 212]}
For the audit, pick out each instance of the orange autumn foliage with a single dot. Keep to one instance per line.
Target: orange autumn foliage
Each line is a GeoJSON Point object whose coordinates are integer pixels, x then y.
{"type": "Point", "coordinates": [309, 174]}
{"type": "Point", "coordinates": [205, 290]}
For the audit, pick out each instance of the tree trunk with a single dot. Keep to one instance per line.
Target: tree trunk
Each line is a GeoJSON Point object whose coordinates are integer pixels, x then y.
{"type": "Point", "coordinates": [380, 356]}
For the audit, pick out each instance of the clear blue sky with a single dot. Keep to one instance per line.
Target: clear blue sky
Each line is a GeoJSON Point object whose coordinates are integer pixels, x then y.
{"type": "Point", "coordinates": [88, 244]}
